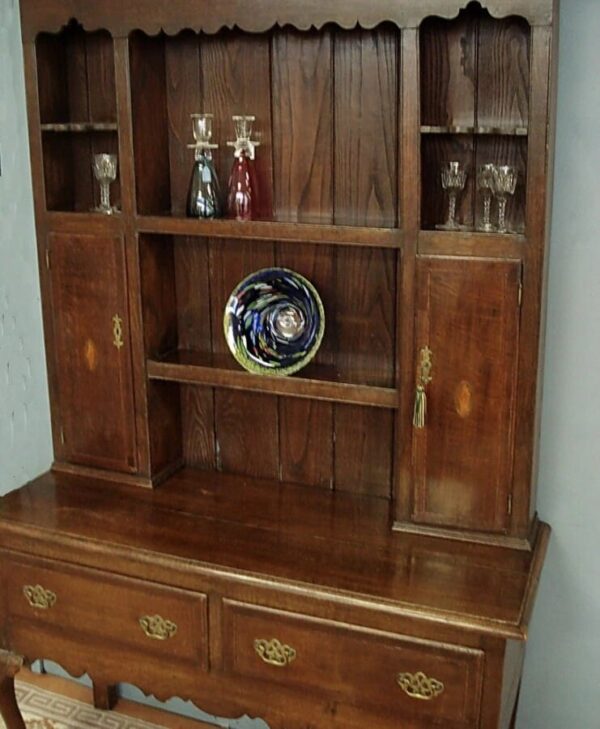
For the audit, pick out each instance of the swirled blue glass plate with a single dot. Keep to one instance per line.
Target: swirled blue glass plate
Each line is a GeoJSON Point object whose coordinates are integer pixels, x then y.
{"type": "Point", "coordinates": [274, 322]}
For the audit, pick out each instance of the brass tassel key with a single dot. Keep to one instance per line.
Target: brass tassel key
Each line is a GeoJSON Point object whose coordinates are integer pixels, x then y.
{"type": "Point", "coordinates": [423, 379]}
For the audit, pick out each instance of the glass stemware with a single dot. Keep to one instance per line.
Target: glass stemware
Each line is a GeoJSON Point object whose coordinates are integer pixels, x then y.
{"type": "Point", "coordinates": [105, 171]}
{"type": "Point", "coordinates": [204, 196]}
{"type": "Point", "coordinates": [242, 196]}
{"type": "Point", "coordinates": [454, 179]}
{"type": "Point", "coordinates": [505, 184]}
{"type": "Point", "coordinates": [485, 184]}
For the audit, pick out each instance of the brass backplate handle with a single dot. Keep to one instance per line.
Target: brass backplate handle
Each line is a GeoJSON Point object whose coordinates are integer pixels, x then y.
{"type": "Point", "coordinates": [424, 377]}
{"type": "Point", "coordinates": [274, 652]}
{"type": "Point", "coordinates": [156, 627]}
{"type": "Point", "coordinates": [38, 597]}
{"type": "Point", "coordinates": [117, 328]}
{"type": "Point", "coordinates": [419, 686]}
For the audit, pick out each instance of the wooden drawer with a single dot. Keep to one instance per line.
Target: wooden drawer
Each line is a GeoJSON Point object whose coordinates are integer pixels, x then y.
{"type": "Point", "coordinates": [156, 619]}
{"type": "Point", "coordinates": [389, 674]}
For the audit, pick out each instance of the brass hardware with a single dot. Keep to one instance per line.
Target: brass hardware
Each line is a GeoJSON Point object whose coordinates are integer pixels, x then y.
{"type": "Point", "coordinates": [423, 379]}
{"type": "Point", "coordinates": [38, 597]}
{"type": "Point", "coordinates": [274, 652]}
{"type": "Point", "coordinates": [157, 628]}
{"type": "Point", "coordinates": [117, 331]}
{"type": "Point", "coordinates": [419, 686]}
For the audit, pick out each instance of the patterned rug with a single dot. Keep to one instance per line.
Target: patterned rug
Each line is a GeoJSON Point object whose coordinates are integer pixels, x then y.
{"type": "Point", "coordinates": [45, 710]}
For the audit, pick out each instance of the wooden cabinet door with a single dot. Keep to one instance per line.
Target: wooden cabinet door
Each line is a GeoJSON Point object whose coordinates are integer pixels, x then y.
{"type": "Point", "coordinates": [93, 374]}
{"type": "Point", "coordinates": [468, 315]}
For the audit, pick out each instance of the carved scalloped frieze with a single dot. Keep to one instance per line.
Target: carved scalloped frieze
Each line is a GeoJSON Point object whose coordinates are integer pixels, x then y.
{"type": "Point", "coordinates": [254, 16]}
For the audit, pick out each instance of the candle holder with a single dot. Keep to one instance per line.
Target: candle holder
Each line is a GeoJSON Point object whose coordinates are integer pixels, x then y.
{"type": "Point", "coordinates": [105, 171]}
{"type": "Point", "coordinates": [204, 196]}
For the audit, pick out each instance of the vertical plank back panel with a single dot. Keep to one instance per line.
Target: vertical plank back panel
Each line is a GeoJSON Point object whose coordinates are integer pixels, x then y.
{"type": "Point", "coordinates": [184, 97]}
{"type": "Point", "coordinates": [364, 443]}
{"type": "Point", "coordinates": [52, 81]}
{"type": "Point", "coordinates": [100, 60]}
{"type": "Point", "coordinates": [366, 193]}
{"type": "Point", "coordinates": [192, 278]}
{"type": "Point", "coordinates": [448, 70]}
{"type": "Point", "coordinates": [150, 125]}
{"type": "Point", "coordinates": [306, 426]}
{"type": "Point", "coordinates": [236, 73]}
{"type": "Point", "coordinates": [503, 72]}
{"type": "Point", "coordinates": [246, 425]}
{"type": "Point", "coordinates": [159, 312]}
{"type": "Point", "coordinates": [303, 180]}
{"type": "Point", "coordinates": [366, 127]}
{"type": "Point", "coordinates": [79, 110]}
{"type": "Point", "coordinates": [303, 126]}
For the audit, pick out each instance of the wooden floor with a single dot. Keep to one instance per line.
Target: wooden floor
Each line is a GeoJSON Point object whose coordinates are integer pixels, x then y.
{"type": "Point", "coordinates": [74, 690]}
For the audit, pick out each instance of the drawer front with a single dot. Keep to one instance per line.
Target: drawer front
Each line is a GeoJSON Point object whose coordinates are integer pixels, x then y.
{"type": "Point", "coordinates": [157, 619]}
{"type": "Point", "coordinates": [388, 673]}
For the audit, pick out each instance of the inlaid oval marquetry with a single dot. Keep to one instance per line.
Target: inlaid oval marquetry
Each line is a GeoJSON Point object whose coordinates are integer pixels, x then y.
{"type": "Point", "coordinates": [90, 354]}
{"type": "Point", "coordinates": [463, 399]}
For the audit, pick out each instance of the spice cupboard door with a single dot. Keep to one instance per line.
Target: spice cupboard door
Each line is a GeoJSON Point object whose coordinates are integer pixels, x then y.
{"type": "Point", "coordinates": [467, 353]}
{"type": "Point", "coordinates": [93, 373]}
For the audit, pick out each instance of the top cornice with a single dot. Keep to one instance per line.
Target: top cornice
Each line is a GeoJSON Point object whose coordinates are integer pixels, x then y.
{"type": "Point", "coordinates": [121, 17]}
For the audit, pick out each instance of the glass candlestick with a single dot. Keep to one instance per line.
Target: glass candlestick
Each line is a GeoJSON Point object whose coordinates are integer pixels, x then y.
{"type": "Point", "coordinates": [485, 184]}
{"type": "Point", "coordinates": [105, 171]}
{"type": "Point", "coordinates": [454, 178]}
{"type": "Point", "coordinates": [204, 196]}
{"type": "Point", "coordinates": [505, 184]}
{"type": "Point", "coordinates": [242, 196]}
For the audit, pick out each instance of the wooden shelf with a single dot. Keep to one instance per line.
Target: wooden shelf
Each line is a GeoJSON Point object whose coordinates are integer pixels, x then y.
{"type": "Point", "coordinates": [471, 243]}
{"type": "Point", "coordinates": [319, 382]}
{"type": "Point", "coordinates": [81, 127]}
{"type": "Point", "coordinates": [273, 231]}
{"type": "Point", "coordinates": [489, 130]}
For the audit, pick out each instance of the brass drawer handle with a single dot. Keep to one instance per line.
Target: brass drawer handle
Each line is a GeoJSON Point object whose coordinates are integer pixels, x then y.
{"type": "Point", "coordinates": [157, 628]}
{"type": "Point", "coordinates": [38, 597]}
{"type": "Point", "coordinates": [419, 686]}
{"type": "Point", "coordinates": [274, 652]}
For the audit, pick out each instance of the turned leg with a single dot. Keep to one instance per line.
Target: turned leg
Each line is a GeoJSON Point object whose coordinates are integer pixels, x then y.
{"type": "Point", "coordinates": [105, 695]}
{"type": "Point", "coordinates": [10, 665]}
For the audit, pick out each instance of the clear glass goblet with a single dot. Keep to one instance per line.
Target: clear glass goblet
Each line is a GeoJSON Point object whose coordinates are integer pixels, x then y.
{"type": "Point", "coordinates": [485, 184]}
{"type": "Point", "coordinates": [505, 184]}
{"type": "Point", "coordinates": [105, 171]}
{"type": "Point", "coordinates": [454, 179]}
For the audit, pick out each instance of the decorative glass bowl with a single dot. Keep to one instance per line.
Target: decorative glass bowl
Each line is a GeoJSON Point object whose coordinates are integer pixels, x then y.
{"type": "Point", "coordinates": [274, 322]}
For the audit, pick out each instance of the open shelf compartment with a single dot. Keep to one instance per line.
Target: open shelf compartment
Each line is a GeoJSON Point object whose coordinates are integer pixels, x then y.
{"type": "Point", "coordinates": [78, 114]}
{"type": "Point", "coordinates": [474, 110]}
{"type": "Point", "coordinates": [327, 114]}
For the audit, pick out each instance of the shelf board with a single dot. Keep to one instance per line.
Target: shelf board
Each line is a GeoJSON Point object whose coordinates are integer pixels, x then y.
{"type": "Point", "coordinates": [465, 243]}
{"type": "Point", "coordinates": [319, 382]}
{"type": "Point", "coordinates": [272, 231]}
{"type": "Point", "coordinates": [81, 127]}
{"type": "Point", "coordinates": [484, 129]}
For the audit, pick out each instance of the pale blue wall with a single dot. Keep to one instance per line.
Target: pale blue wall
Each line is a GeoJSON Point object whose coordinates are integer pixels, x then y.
{"type": "Point", "coordinates": [25, 447]}
{"type": "Point", "coordinates": [562, 669]}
